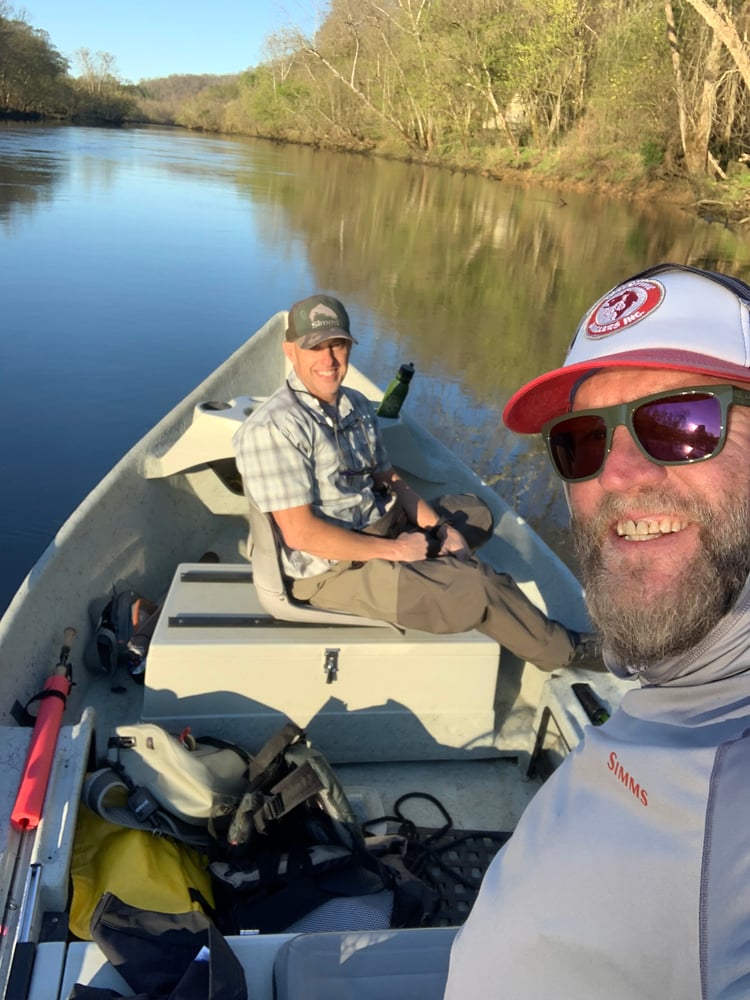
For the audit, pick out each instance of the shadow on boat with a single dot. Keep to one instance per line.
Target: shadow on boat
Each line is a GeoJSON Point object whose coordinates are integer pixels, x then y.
{"type": "Point", "coordinates": [390, 730]}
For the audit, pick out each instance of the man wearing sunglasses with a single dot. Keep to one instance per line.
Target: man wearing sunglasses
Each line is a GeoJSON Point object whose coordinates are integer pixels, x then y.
{"type": "Point", "coordinates": [628, 877]}
{"type": "Point", "coordinates": [355, 537]}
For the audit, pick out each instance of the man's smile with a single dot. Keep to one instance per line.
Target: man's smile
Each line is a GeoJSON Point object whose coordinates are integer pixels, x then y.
{"type": "Point", "coordinates": [648, 529]}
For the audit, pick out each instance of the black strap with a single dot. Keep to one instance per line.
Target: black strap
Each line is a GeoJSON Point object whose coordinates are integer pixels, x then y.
{"type": "Point", "coordinates": [21, 712]}
{"type": "Point", "coordinates": [297, 787]}
{"type": "Point", "coordinates": [266, 758]}
{"type": "Point", "coordinates": [257, 810]}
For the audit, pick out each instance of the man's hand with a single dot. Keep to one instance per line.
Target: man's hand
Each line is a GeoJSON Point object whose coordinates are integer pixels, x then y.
{"type": "Point", "coordinates": [302, 529]}
{"type": "Point", "coordinates": [410, 546]}
{"type": "Point", "coordinates": [452, 543]}
{"type": "Point", "coordinates": [415, 545]}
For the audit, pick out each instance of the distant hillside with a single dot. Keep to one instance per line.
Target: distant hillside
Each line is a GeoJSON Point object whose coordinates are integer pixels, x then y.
{"type": "Point", "coordinates": [162, 99]}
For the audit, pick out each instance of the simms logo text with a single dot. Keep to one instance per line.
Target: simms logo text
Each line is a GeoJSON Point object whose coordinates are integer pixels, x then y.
{"type": "Point", "coordinates": [614, 765]}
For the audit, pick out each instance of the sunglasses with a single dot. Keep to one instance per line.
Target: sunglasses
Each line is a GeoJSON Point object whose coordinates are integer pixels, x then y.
{"type": "Point", "coordinates": [676, 427]}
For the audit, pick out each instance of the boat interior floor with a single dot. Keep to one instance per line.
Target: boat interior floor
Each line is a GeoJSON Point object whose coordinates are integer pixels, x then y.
{"type": "Point", "coordinates": [437, 730]}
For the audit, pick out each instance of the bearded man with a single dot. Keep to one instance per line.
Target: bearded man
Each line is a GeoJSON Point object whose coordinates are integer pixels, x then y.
{"type": "Point", "coordinates": [629, 874]}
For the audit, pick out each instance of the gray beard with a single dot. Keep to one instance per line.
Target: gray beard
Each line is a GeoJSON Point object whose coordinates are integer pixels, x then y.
{"type": "Point", "coordinates": [642, 634]}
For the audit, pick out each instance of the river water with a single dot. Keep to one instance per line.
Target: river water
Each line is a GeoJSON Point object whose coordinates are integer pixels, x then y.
{"type": "Point", "coordinates": [133, 261]}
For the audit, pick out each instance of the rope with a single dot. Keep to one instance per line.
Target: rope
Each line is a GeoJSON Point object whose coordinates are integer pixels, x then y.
{"type": "Point", "coordinates": [424, 853]}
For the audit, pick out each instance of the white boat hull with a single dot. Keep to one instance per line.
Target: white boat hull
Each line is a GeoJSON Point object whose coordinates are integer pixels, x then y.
{"type": "Point", "coordinates": [448, 705]}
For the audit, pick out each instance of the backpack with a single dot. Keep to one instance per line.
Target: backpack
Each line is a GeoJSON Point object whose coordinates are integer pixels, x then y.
{"type": "Point", "coordinates": [287, 777]}
{"type": "Point", "coordinates": [118, 636]}
{"type": "Point", "coordinates": [290, 856]}
{"type": "Point", "coordinates": [199, 789]}
{"type": "Point", "coordinates": [281, 834]}
{"type": "Point", "coordinates": [167, 784]}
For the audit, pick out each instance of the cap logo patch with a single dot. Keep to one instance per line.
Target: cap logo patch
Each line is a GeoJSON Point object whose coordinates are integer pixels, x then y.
{"type": "Point", "coordinates": [621, 308]}
{"type": "Point", "coordinates": [321, 316]}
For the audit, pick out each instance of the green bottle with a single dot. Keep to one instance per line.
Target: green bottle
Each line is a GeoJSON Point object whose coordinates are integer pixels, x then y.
{"type": "Point", "coordinates": [395, 394]}
{"type": "Point", "coordinates": [591, 705]}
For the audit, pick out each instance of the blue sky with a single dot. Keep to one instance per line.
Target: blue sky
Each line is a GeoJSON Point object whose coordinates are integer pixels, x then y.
{"type": "Point", "coordinates": [150, 38]}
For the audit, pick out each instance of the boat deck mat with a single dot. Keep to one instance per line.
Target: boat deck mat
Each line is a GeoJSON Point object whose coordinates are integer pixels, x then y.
{"type": "Point", "coordinates": [452, 863]}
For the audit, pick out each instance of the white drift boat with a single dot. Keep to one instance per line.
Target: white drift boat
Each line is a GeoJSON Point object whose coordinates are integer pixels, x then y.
{"type": "Point", "coordinates": [454, 716]}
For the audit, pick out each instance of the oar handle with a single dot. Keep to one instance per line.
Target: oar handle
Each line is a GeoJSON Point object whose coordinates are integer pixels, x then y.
{"type": "Point", "coordinates": [68, 636]}
{"type": "Point", "coordinates": [27, 811]}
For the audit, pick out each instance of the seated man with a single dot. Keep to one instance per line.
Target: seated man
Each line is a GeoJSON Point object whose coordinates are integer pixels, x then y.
{"type": "Point", "coordinates": [355, 536]}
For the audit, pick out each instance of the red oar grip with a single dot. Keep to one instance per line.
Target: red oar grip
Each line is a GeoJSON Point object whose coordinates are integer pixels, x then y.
{"type": "Point", "coordinates": [27, 810]}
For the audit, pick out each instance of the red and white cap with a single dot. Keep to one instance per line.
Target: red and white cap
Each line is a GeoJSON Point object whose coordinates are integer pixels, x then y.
{"type": "Point", "coordinates": [669, 316]}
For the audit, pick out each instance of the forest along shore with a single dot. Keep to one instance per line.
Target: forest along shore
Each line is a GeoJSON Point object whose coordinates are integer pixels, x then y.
{"type": "Point", "coordinates": [645, 100]}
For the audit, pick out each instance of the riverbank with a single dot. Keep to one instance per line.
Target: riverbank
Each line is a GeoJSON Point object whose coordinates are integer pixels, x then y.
{"type": "Point", "coordinates": [614, 172]}
{"type": "Point", "coordinates": [620, 174]}
{"type": "Point", "coordinates": [725, 203]}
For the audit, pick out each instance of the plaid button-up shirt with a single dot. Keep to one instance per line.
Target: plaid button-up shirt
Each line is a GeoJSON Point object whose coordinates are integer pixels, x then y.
{"type": "Point", "coordinates": [293, 451]}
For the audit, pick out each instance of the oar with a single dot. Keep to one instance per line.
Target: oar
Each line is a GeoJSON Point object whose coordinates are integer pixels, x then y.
{"type": "Point", "coordinates": [25, 817]}
{"type": "Point", "coordinates": [27, 811]}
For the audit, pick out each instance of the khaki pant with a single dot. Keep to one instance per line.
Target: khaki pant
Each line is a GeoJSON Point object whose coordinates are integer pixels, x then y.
{"type": "Point", "coordinates": [444, 595]}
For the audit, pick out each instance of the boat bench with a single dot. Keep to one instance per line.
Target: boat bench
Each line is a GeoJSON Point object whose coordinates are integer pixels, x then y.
{"type": "Point", "coordinates": [328, 965]}
{"type": "Point", "coordinates": [219, 663]}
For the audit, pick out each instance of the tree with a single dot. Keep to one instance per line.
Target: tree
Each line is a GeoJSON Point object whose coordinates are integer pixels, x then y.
{"type": "Point", "coordinates": [362, 46]}
{"type": "Point", "coordinates": [32, 71]}
{"type": "Point", "coordinates": [97, 71]}
{"type": "Point", "coordinates": [719, 19]}
{"type": "Point", "coordinates": [697, 106]}
{"type": "Point", "coordinates": [100, 92]}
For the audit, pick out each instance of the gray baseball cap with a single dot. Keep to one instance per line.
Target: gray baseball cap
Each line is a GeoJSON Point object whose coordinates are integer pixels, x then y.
{"type": "Point", "coordinates": [316, 319]}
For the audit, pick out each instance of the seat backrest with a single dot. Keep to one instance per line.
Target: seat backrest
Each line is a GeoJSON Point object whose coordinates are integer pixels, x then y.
{"type": "Point", "coordinates": [369, 965]}
{"type": "Point", "coordinates": [270, 585]}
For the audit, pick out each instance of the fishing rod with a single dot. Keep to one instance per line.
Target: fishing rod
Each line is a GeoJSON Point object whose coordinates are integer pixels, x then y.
{"type": "Point", "coordinates": [17, 947]}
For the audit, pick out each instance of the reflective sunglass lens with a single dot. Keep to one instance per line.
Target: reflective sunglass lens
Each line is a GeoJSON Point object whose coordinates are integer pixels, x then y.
{"type": "Point", "coordinates": [680, 429]}
{"type": "Point", "coordinates": [578, 446]}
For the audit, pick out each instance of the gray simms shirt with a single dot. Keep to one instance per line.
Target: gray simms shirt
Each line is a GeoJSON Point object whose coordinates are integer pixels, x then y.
{"type": "Point", "coordinates": [294, 450]}
{"type": "Point", "coordinates": [628, 876]}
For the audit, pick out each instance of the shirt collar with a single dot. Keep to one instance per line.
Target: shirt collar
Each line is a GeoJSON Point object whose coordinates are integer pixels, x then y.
{"type": "Point", "coordinates": [303, 395]}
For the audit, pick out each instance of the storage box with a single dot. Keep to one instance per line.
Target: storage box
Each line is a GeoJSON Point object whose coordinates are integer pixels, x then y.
{"type": "Point", "coordinates": [218, 663]}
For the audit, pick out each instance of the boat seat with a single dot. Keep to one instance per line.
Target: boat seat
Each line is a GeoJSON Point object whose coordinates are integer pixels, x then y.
{"type": "Point", "coordinates": [398, 964]}
{"type": "Point", "coordinates": [369, 965]}
{"type": "Point", "coordinates": [273, 595]}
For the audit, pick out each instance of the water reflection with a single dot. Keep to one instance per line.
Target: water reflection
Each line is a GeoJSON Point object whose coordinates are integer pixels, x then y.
{"type": "Point", "coordinates": [482, 281]}
{"type": "Point", "coordinates": [481, 284]}
{"type": "Point", "coordinates": [27, 180]}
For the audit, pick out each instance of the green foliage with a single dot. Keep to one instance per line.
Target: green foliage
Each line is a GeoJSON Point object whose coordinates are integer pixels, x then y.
{"type": "Point", "coordinates": [161, 99]}
{"type": "Point", "coordinates": [35, 80]}
{"type": "Point", "coordinates": [652, 153]}
{"type": "Point", "coordinates": [97, 94]}
{"type": "Point", "coordinates": [32, 71]}
{"type": "Point", "coordinates": [630, 99]}
{"type": "Point", "coordinates": [113, 105]}
{"type": "Point", "coordinates": [269, 101]}
{"type": "Point", "coordinates": [578, 86]}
